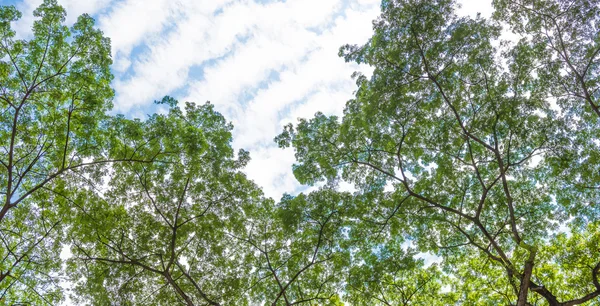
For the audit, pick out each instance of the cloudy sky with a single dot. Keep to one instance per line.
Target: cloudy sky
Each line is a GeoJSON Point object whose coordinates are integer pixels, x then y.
{"type": "Point", "coordinates": [263, 63]}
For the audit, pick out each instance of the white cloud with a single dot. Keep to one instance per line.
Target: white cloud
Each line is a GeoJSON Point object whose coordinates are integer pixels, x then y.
{"type": "Point", "coordinates": [129, 22]}
{"type": "Point", "coordinates": [262, 37]}
{"type": "Point", "coordinates": [472, 7]}
{"type": "Point", "coordinates": [311, 78]}
{"type": "Point", "coordinates": [265, 167]}
{"type": "Point", "coordinates": [74, 9]}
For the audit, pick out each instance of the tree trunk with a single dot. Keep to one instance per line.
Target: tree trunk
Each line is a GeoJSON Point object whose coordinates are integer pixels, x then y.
{"type": "Point", "coordinates": [525, 282]}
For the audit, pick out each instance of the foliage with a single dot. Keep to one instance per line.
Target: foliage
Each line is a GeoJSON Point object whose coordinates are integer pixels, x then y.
{"type": "Point", "coordinates": [295, 256]}
{"type": "Point", "coordinates": [54, 94]}
{"type": "Point", "coordinates": [159, 233]}
{"type": "Point", "coordinates": [461, 145]}
{"type": "Point", "coordinates": [487, 148]}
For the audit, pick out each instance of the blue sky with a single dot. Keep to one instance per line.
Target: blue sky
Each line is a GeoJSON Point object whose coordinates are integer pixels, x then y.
{"type": "Point", "coordinates": [263, 63]}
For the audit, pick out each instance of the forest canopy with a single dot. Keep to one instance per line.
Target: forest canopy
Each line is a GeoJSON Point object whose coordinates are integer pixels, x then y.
{"type": "Point", "coordinates": [481, 151]}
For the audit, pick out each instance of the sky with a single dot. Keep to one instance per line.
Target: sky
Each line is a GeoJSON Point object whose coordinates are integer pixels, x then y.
{"type": "Point", "coordinates": [262, 63]}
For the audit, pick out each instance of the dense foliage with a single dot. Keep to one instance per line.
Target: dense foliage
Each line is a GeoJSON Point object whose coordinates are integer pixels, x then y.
{"type": "Point", "coordinates": [160, 232]}
{"type": "Point", "coordinates": [54, 94]}
{"type": "Point", "coordinates": [489, 148]}
{"type": "Point", "coordinates": [462, 146]}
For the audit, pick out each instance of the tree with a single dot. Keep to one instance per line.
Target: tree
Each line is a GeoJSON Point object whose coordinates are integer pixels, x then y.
{"type": "Point", "coordinates": [191, 228]}
{"type": "Point", "coordinates": [54, 93]}
{"type": "Point", "coordinates": [488, 148]}
{"type": "Point", "coordinates": [160, 233]}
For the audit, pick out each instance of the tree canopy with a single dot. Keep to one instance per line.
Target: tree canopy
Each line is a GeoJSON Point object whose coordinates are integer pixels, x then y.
{"type": "Point", "coordinates": [489, 148]}
{"type": "Point", "coordinates": [54, 94]}
{"type": "Point", "coordinates": [464, 146]}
